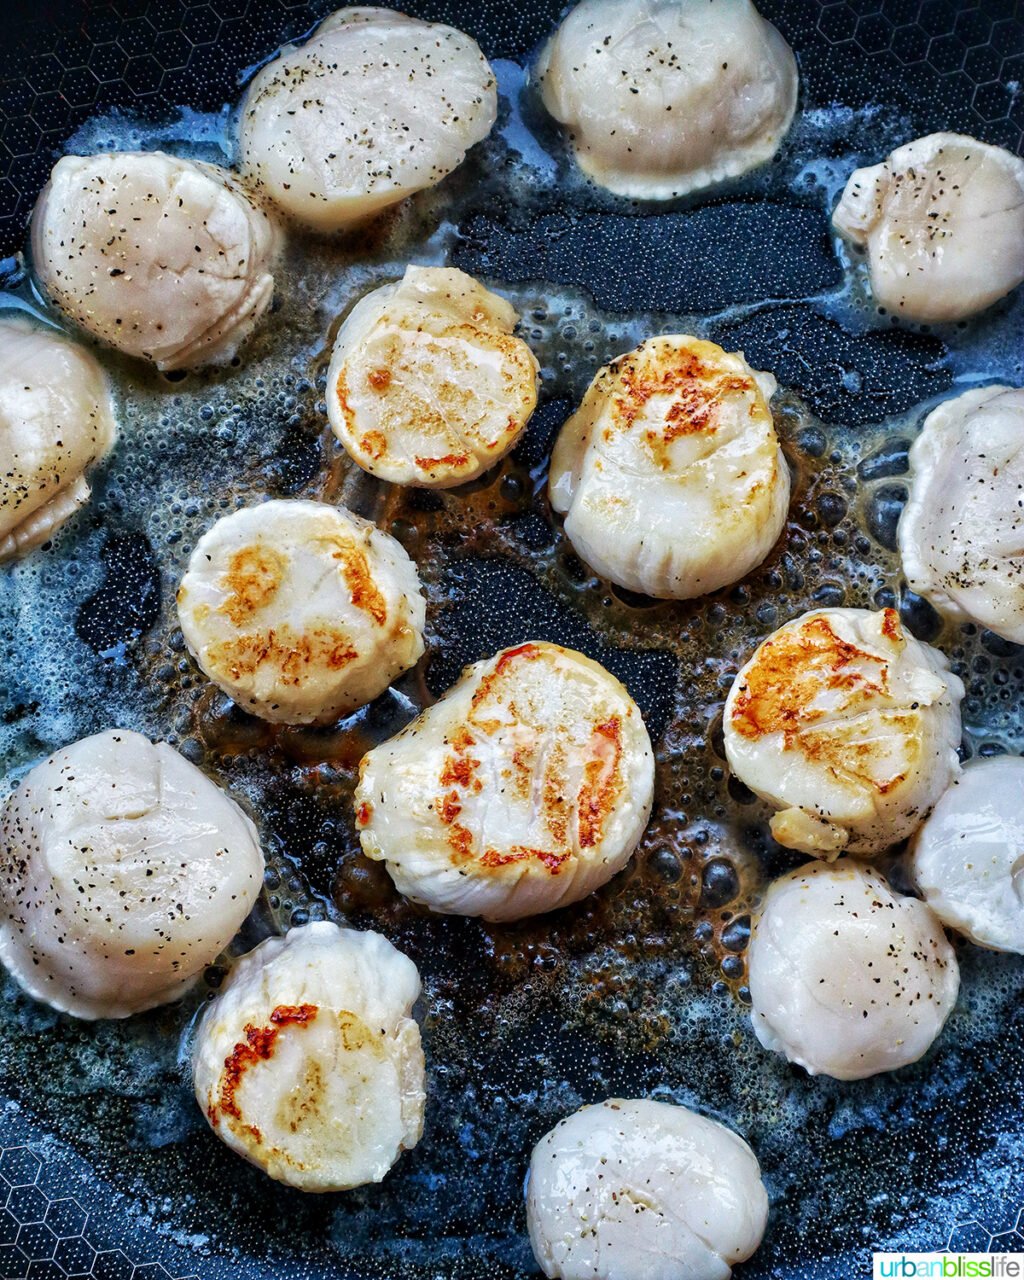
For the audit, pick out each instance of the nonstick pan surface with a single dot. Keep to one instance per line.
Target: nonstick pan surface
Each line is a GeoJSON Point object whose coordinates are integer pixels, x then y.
{"type": "Point", "coordinates": [107, 1168]}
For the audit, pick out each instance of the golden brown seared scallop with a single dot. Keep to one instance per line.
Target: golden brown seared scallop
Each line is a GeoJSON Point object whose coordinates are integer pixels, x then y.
{"type": "Point", "coordinates": [56, 419]}
{"type": "Point", "coordinates": [374, 107]}
{"type": "Point", "coordinates": [525, 788]}
{"type": "Point", "coordinates": [308, 1063]}
{"type": "Point", "coordinates": [170, 260]}
{"type": "Point", "coordinates": [428, 384]}
{"type": "Point", "coordinates": [848, 726]}
{"type": "Point", "coordinates": [299, 611]}
{"type": "Point", "coordinates": [670, 475]}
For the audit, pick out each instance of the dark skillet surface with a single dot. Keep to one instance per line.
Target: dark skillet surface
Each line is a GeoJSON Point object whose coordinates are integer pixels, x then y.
{"type": "Point", "coordinates": [641, 989]}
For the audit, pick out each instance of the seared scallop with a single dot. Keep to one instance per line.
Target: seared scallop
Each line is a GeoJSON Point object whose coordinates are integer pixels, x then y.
{"type": "Point", "coordinates": [525, 788]}
{"type": "Point", "coordinates": [166, 259]}
{"type": "Point", "coordinates": [124, 872]}
{"type": "Point", "coordinates": [848, 726]}
{"type": "Point", "coordinates": [56, 420]}
{"type": "Point", "coordinates": [374, 107]}
{"type": "Point", "coordinates": [961, 535]}
{"type": "Point", "coordinates": [299, 611]}
{"type": "Point", "coordinates": [847, 978]}
{"type": "Point", "coordinates": [632, 1189]}
{"type": "Point", "coordinates": [308, 1063]}
{"type": "Point", "coordinates": [942, 222]}
{"type": "Point", "coordinates": [670, 475]}
{"type": "Point", "coordinates": [664, 97]}
{"type": "Point", "coordinates": [428, 384]}
{"type": "Point", "coordinates": [968, 858]}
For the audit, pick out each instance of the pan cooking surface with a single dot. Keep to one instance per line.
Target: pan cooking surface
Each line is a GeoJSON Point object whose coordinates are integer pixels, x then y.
{"type": "Point", "coordinates": [639, 989]}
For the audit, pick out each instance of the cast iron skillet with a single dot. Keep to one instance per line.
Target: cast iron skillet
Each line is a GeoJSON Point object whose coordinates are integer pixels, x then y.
{"type": "Point", "coordinates": [106, 1167]}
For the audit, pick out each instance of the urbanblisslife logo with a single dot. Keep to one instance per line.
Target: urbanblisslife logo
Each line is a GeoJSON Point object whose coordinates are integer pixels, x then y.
{"type": "Point", "coordinates": [948, 1266]}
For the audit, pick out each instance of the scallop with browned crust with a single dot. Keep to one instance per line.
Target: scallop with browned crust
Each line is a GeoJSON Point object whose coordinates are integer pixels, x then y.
{"type": "Point", "coordinates": [670, 475]}
{"type": "Point", "coordinates": [299, 611]}
{"type": "Point", "coordinates": [309, 1064]}
{"type": "Point", "coordinates": [428, 384]}
{"type": "Point", "coordinates": [848, 726]}
{"type": "Point", "coordinates": [525, 788]}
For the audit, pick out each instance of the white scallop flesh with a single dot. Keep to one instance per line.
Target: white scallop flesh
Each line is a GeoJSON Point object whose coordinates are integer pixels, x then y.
{"type": "Point", "coordinates": [299, 611]}
{"type": "Point", "coordinates": [670, 475]}
{"type": "Point", "coordinates": [961, 534]}
{"type": "Point", "coordinates": [525, 788]}
{"type": "Point", "coordinates": [308, 1063]}
{"type": "Point", "coordinates": [428, 384]}
{"type": "Point", "coordinates": [632, 1189]}
{"type": "Point", "coordinates": [942, 223]}
{"type": "Point", "coordinates": [847, 978]}
{"type": "Point", "coordinates": [664, 97]}
{"type": "Point", "coordinates": [374, 107]}
{"type": "Point", "coordinates": [125, 872]}
{"type": "Point", "coordinates": [967, 860]}
{"type": "Point", "coordinates": [168, 260]}
{"type": "Point", "coordinates": [849, 726]}
{"type": "Point", "coordinates": [56, 420]}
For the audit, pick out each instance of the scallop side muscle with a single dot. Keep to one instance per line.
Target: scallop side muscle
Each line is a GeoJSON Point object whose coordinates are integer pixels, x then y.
{"type": "Point", "coordinates": [942, 222]}
{"type": "Point", "coordinates": [968, 858]}
{"type": "Point", "coordinates": [664, 97]}
{"type": "Point", "coordinates": [847, 978]}
{"type": "Point", "coordinates": [848, 726]}
{"type": "Point", "coordinates": [299, 611]}
{"type": "Point", "coordinates": [525, 788]}
{"type": "Point", "coordinates": [428, 384]}
{"type": "Point", "coordinates": [670, 475]}
{"type": "Point", "coordinates": [961, 535]}
{"type": "Point", "coordinates": [166, 259]}
{"type": "Point", "coordinates": [642, 1190]}
{"type": "Point", "coordinates": [372, 108]}
{"type": "Point", "coordinates": [308, 1063]}
{"type": "Point", "coordinates": [56, 419]}
{"type": "Point", "coordinates": [125, 872]}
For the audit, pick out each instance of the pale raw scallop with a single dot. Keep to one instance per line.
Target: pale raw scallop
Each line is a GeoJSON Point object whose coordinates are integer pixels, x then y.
{"type": "Point", "coordinates": [664, 97]}
{"type": "Point", "coordinates": [670, 475]}
{"type": "Point", "coordinates": [942, 222]}
{"type": "Point", "coordinates": [428, 384]}
{"type": "Point", "coordinates": [308, 1063]}
{"type": "Point", "coordinates": [961, 534]}
{"type": "Point", "coordinates": [56, 420]}
{"type": "Point", "coordinates": [846, 977]}
{"type": "Point", "coordinates": [124, 872]}
{"type": "Point", "coordinates": [373, 107]}
{"type": "Point", "coordinates": [968, 858]}
{"type": "Point", "coordinates": [632, 1189]}
{"type": "Point", "coordinates": [299, 611]}
{"type": "Point", "coordinates": [525, 788]}
{"type": "Point", "coordinates": [848, 726]}
{"type": "Point", "coordinates": [166, 259]}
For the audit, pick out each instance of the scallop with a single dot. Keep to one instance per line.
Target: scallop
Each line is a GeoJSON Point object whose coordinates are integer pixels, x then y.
{"type": "Point", "coordinates": [524, 789]}
{"type": "Point", "coordinates": [942, 222]}
{"type": "Point", "coordinates": [847, 978]}
{"type": "Point", "coordinates": [961, 535]}
{"type": "Point", "coordinates": [56, 420]}
{"type": "Point", "coordinates": [165, 259]}
{"type": "Point", "coordinates": [374, 107]}
{"type": "Point", "coordinates": [428, 385]}
{"type": "Point", "coordinates": [632, 1189]}
{"type": "Point", "coordinates": [309, 1064]}
{"type": "Point", "coordinates": [664, 97]}
{"type": "Point", "coordinates": [299, 611]}
{"type": "Point", "coordinates": [848, 726]}
{"type": "Point", "coordinates": [670, 475]}
{"type": "Point", "coordinates": [968, 858]}
{"type": "Point", "coordinates": [124, 872]}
